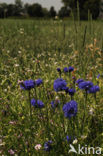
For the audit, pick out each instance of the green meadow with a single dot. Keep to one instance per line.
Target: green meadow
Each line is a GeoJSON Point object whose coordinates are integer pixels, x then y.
{"type": "Point", "coordinates": [34, 49]}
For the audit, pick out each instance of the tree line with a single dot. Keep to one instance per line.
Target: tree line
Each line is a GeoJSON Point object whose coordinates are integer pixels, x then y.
{"type": "Point", "coordinates": [36, 10]}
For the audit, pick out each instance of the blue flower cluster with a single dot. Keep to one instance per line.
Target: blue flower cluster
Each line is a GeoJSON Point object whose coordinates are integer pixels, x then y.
{"type": "Point", "coordinates": [48, 146]}
{"type": "Point", "coordinates": [27, 85]}
{"type": "Point", "coordinates": [85, 85]}
{"type": "Point", "coordinates": [94, 89]}
{"type": "Point", "coordinates": [88, 86]}
{"type": "Point", "coordinates": [72, 91]}
{"type": "Point", "coordinates": [66, 69]}
{"type": "Point", "coordinates": [59, 84]}
{"type": "Point", "coordinates": [37, 103]}
{"type": "Point", "coordinates": [70, 69]}
{"type": "Point", "coordinates": [70, 109]}
{"type": "Point", "coordinates": [38, 82]}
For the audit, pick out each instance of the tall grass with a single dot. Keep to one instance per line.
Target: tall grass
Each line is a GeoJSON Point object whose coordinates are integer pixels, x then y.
{"type": "Point", "coordinates": [32, 49]}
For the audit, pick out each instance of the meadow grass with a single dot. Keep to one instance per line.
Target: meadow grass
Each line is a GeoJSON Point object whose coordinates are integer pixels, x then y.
{"type": "Point", "coordinates": [32, 49]}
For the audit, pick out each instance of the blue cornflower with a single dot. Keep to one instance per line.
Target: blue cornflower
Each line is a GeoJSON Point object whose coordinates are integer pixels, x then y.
{"type": "Point", "coordinates": [72, 91]}
{"type": "Point", "coordinates": [94, 89]}
{"type": "Point", "coordinates": [68, 139]}
{"type": "Point", "coordinates": [59, 84]}
{"type": "Point", "coordinates": [59, 70]}
{"type": "Point", "coordinates": [48, 146]}
{"type": "Point", "coordinates": [85, 85]}
{"type": "Point", "coordinates": [66, 89]}
{"type": "Point", "coordinates": [39, 82]}
{"type": "Point", "coordinates": [98, 76]}
{"type": "Point", "coordinates": [27, 84]}
{"type": "Point", "coordinates": [70, 109]}
{"type": "Point", "coordinates": [66, 70]}
{"type": "Point", "coordinates": [37, 103]}
{"type": "Point", "coordinates": [79, 81]}
{"type": "Point", "coordinates": [55, 103]}
{"type": "Point", "coordinates": [71, 69]}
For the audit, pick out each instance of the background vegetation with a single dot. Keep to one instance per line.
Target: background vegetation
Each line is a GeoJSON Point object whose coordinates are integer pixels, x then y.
{"type": "Point", "coordinates": [18, 9]}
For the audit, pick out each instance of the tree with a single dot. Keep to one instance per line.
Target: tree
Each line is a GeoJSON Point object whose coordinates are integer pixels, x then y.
{"type": "Point", "coordinates": [3, 10]}
{"type": "Point", "coordinates": [11, 10]}
{"type": "Point", "coordinates": [45, 12]}
{"type": "Point", "coordinates": [18, 7]}
{"type": "Point", "coordinates": [84, 5]}
{"type": "Point", "coordinates": [64, 12]}
{"type": "Point", "coordinates": [35, 10]}
{"type": "Point", "coordinates": [52, 12]}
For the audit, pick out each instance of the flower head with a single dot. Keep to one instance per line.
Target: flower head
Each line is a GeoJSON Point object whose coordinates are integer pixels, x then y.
{"type": "Point", "coordinates": [98, 76]}
{"type": "Point", "coordinates": [85, 85]}
{"type": "Point", "coordinates": [79, 81]}
{"type": "Point", "coordinates": [37, 103]}
{"type": "Point", "coordinates": [94, 89]}
{"type": "Point", "coordinates": [59, 84]}
{"type": "Point", "coordinates": [55, 103]}
{"type": "Point", "coordinates": [72, 91]}
{"type": "Point", "coordinates": [66, 89]}
{"type": "Point", "coordinates": [11, 152]}
{"type": "Point", "coordinates": [68, 139]}
{"type": "Point", "coordinates": [27, 84]}
{"type": "Point", "coordinates": [38, 147]}
{"type": "Point", "coordinates": [66, 69]}
{"type": "Point", "coordinates": [47, 145]}
{"type": "Point", "coordinates": [59, 70]}
{"type": "Point", "coordinates": [70, 109]}
{"type": "Point", "coordinates": [38, 82]}
{"type": "Point", "coordinates": [71, 69]}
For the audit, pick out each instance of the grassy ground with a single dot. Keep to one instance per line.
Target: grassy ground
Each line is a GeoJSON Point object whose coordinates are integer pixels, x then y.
{"type": "Point", "coordinates": [31, 49]}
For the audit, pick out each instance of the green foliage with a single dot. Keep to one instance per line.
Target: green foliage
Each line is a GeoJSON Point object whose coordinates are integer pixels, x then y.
{"type": "Point", "coordinates": [52, 12]}
{"type": "Point", "coordinates": [35, 10]}
{"type": "Point", "coordinates": [32, 49]}
{"type": "Point", "coordinates": [92, 5]}
{"type": "Point", "coordinates": [64, 12]}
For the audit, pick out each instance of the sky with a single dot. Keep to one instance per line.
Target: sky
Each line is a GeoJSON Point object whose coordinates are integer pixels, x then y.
{"type": "Point", "coordinates": [45, 3]}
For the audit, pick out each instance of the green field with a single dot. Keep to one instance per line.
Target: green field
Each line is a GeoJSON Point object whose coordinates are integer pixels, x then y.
{"type": "Point", "coordinates": [33, 49]}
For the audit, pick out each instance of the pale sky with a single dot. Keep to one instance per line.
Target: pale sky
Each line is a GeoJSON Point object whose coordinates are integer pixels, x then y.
{"type": "Point", "coordinates": [45, 3]}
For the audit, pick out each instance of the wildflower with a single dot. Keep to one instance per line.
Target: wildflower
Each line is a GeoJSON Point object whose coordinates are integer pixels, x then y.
{"type": "Point", "coordinates": [71, 69]}
{"type": "Point", "coordinates": [79, 81]}
{"type": "Point", "coordinates": [91, 111]}
{"type": "Point", "coordinates": [98, 76]}
{"type": "Point", "coordinates": [47, 145]}
{"type": "Point", "coordinates": [94, 89]}
{"type": "Point", "coordinates": [68, 139]}
{"type": "Point", "coordinates": [59, 70]}
{"type": "Point", "coordinates": [59, 84]}
{"type": "Point", "coordinates": [27, 85]}
{"type": "Point", "coordinates": [66, 69]}
{"type": "Point", "coordinates": [85, 85]}
{"type": "Point", "coordinates": [12, 122]}
{"type": "Point", "coordinates": [37, 103]}
{"type": "Point", "coordinates": [72, 91]}
{"type": "Point", "coordinates": [74, 79]}
{"type": "Point", "coordinates": [38, 82]}
{"type": "Point", "coordinates": [70, 109]}
{"type": "Point", "coordinates": [38, 147]}
{"type": "Point", "coordinates": [75, 141]}
{"type": "Point", "coordinates": [55, 103]}
{"type": "Point", "coordinates": [11, 152]}
{"type": "Point", "coordinates": [66, 89]}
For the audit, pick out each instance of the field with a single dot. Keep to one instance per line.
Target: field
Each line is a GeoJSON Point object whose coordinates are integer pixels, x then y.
{"type": "Point", "coordinates": [34, 49]}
